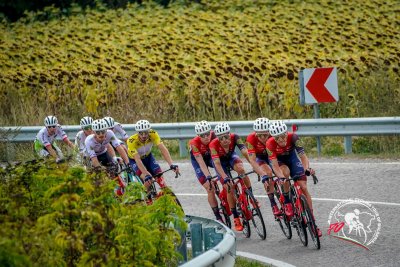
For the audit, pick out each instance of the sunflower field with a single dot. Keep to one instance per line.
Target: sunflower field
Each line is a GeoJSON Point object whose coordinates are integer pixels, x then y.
{"type": "Point", "coordinates": [214, 60]}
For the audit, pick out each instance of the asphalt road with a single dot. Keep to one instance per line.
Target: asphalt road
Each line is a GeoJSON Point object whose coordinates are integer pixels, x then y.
{"type": "Point", "coordinates": [376, 181]}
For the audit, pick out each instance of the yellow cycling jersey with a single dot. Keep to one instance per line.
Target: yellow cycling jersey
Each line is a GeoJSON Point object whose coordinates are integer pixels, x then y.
{"type": "Point", "coordinates": [135, 145]}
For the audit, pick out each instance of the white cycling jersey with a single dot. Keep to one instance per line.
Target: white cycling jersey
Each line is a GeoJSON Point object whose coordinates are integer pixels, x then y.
{"type": "Point", "coordinates": [94, 148]}
{"type": "Point", "coordinates": [80, 141]}
{"type": "Point", "coordinates": [45, 139]}
{"type": "Point", "coordinates": [118, 129]}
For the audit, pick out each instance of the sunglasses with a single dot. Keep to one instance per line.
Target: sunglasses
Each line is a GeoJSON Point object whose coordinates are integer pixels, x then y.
{"type": "Point", "coordinates": [144, 133]}
{"type": "Point", "coordinates": [87, 128]}
{"type": "Point", "coordinates": [100, 132]}
{"type": "Point", "coordinates": [203, 135]}
{"type": "Point", "coordinates": [224, 137]}
{"type": "Point", "coordinates": [262, 135]}
{"type": "Point", "coordinates": [280, 137]}
{"type": "Point", "coordinates": [54, 126]}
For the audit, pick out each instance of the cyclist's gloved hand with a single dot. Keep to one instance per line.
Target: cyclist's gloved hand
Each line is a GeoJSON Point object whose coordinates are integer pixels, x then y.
{"type": "Point", "coordinates": [309, 172]}
{"type": "Point", "coordinates": [209, 178]}
{"type": "Point", "coordinates": [227, 180]}
{"type": "Point", "coordinates": [58, 160]}
{"type": "Point", "coordinates": [129, 169]}
{"type": "Point", "coordinates": [281, 180]}
{"type": "Point", "coordinates": [147, 178]}
{"type": "Point", "coordinates": [264, 178]}
{"type": "Point", "coordinates": [174, 167]}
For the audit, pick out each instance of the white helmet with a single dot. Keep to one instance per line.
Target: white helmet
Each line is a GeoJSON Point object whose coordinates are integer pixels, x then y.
{"type": "Point", "coordinates": [202, 127]}
{"type": "Point", "coordinates": [110, 122]}
{"type": "Point", "coordinates": [50, 121]}
{"type": "Point", "coordinates": [142, 125]}
{"type": "Point", "coordinates": [277, 128]}
{"type": "Point", "coordinates": [86, 121]}
{"type": "Point", "coordinates": [99, 125]}
{"type": "Point", "coordinates": [222, 128]}
{"type": "Point", "coordinates": [261, 125]}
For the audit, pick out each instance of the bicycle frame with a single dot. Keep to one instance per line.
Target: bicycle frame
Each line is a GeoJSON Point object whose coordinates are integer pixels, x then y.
{"type": "Point", "coordinates": [221, 194]}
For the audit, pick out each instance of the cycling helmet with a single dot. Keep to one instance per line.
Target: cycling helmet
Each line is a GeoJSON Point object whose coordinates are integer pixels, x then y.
{"type": "Point", "coordinates": [50, 121]}
{"type": "Point", "coordinates": [222, 128]}
{"type": "Point", "coordinates": [86, 121]}
{"type": "Point", "coordinates": [277, 128]}
{"type": "Point", "coordinates": [202, 127]}
{"type": "Point", "coordinates": [110, 122]}
{"type": "Point", "coordinates": [142, 125]}
{"type": "Point", "coordinates": [99, 125]}
{"type": "Point", "coordinates": [261, 125]}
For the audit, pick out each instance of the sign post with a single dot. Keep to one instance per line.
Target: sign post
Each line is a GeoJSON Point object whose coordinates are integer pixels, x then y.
{"type": "Point", "coordinates": [318, 85]}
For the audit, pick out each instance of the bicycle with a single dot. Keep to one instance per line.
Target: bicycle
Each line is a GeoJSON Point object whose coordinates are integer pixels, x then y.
{"type": "Point", "coordinates": [303, 217]}
{"type": "Point", "coordinates": [223, 208]}
{"type": "Point", "coordinates": [154, 195]}
{"type": "Point", "coordinates": [247, 206]}
{"type": "Point", "coordinates": [282, 218]}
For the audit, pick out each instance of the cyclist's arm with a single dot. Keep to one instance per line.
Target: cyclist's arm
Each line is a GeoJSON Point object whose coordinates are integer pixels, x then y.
{"type": "Point", "coordinates": [275, 167]}
{"type": "Point", "coordinates": [245, 153]}
{"type": "Point", "coordinates": [202, 164]}
{"type": "Point", "coordinates": [140, 165]}
{"type": "Point", "coordinates": [68, 142]}
{"type": "Point", "coordinates": [305, 161]}
{"type": "Point", "coordinates": [110, 150]}
{"type": "Point", "coordinates": [51, 151]}
{"type": "Point", "coordinates": [165, 153]}
{"type": "Point", "coordinates": [122, 153]}
{"type": "Point", "coordinates": [95, 162]}
{"type": "Point", "coordinates": [218, 168]}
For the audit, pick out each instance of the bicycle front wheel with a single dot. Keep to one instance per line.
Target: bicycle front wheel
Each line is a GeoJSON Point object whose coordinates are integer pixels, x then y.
{"type": "Point", "coordinates": [312, 227]}
{"type": "Point", "coordinates": [256, 218]}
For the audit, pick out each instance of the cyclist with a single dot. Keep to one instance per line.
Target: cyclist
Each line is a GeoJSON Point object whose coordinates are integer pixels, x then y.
{"type": "Point", "coordinates": [45, 144]}
{"type": "Point", "coordinates": [200, 157]}
{"type": "Point", "coordinates": [101, 153]}
{"type": "Point", "coordinates": [140, 156]}
{"type": "Point", "coordinates": [223, 155]}
{"type": "Point", "coordinates": [86, 125]}
{"type": "Point", "coordinates": [117, 129]}
{"type": "Point", "coordinates": [256, 145]}
{"type": "Point", "coordinates": [288, 157]}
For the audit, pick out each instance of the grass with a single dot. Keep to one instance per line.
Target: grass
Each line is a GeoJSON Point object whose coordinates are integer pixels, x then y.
{"type": "Point", "coordinates": [244, 262]}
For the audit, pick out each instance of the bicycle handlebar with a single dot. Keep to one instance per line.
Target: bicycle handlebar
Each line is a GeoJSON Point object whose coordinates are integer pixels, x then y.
{"type": "Point", "coordinates": [161, 173]}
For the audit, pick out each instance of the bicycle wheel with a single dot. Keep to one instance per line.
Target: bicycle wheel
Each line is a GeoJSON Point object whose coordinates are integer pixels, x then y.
{"type": "Point", "coordinates": [312, 228]}
{"type": "Point", "coordinates": [246, 227]}
{"type": "Point", "coordinates": [300, 228]}
{"type": "Point", "coordinates": [256, 218]}
{"type": "Point", "coordinates": [284, 223]}
{"type": "Point", "coordinates": [225, 217]}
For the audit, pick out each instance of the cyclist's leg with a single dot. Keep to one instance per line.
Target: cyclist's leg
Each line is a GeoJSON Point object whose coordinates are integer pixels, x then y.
{"type": "Point", "coordinates": [297, 170]}
{"type": "Point", "coordinates": [57, 150]}
{"type": "Point", "coordinates": [237, 165]}
{"type": "Point", "coordinates": [154, 168]}
{"type": "Point", "coordinates": [212, 201]}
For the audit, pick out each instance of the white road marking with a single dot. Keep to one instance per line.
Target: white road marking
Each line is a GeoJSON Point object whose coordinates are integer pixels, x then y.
{"type": "Point", "coordinates": [316, 199]}
{"type": "Point", "coordinates": [264, 259]}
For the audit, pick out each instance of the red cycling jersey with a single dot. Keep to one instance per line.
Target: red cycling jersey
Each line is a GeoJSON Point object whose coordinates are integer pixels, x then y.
{"type": "Point", "coordinates": [217, 151]}
{"type": "Point", "coordinates": [254, 145]}
{"type": "Point", "coordinates": [274, 150]}
{"type": "Point", "coordinates": [198, 148]}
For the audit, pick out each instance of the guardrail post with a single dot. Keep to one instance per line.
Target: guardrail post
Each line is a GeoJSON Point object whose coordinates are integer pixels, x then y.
{"type": "Point", "coordinates": [182, 148]}
{"type": "Point", "coordinates": [347, 144]}
{"type": "Point", "coordinates": [197, 239]}
{"type": "Point", "coordinates": [182, 248]}
{"type": "Point", "coordinates": [207, 236]}
{"type": "Point", "coordinates": [216, 238]}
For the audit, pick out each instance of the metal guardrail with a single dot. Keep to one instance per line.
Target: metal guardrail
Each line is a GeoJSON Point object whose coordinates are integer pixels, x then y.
{"type": "Point", "coordinates": [212, 243]}
{"type": "Point", "coordinates": [346, 127]}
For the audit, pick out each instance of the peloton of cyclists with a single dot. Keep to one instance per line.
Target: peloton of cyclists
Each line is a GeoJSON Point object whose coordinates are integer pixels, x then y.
{"type": "Point", "coordinates": [223, 155]}
{"type": "Point", "coordinates": [200, 158]}
{"type": "Point", "coordinates": [288, 158]}
{"type": "Point", "coordinates": [45, 144]}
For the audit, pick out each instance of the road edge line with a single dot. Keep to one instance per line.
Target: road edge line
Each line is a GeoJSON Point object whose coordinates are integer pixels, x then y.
{"type": "Point", "coordinates": [263, 259]}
